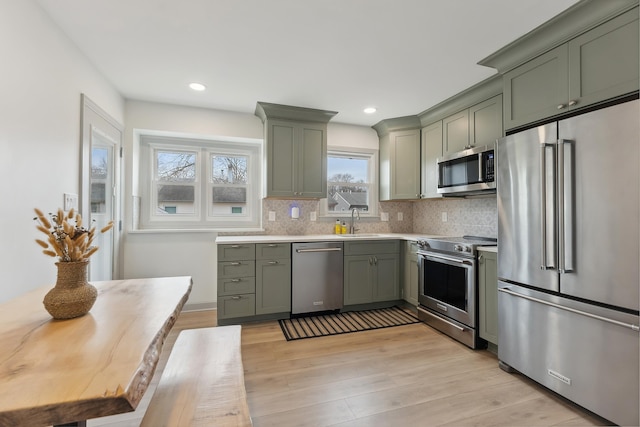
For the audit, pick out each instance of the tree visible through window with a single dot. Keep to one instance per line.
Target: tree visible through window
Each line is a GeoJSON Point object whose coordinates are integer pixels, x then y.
{"type": "Point", "coordinates": [199, 183]}
{"type": "Point", "coordinates": [349, 182]}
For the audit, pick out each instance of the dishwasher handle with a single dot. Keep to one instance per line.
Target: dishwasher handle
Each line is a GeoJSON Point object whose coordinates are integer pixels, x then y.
{"type": "Point", "coordinates": [301, 251]}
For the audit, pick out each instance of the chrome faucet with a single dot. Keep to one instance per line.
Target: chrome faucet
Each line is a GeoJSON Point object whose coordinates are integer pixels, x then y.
{"type": "Point", "coordinates": [352, 228]}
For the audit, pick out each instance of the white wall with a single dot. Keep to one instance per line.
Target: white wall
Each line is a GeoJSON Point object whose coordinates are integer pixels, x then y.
{"type": "Point", "coordinates": [154, 253]}
{"type": "Point", "coordinates": [43, 75]}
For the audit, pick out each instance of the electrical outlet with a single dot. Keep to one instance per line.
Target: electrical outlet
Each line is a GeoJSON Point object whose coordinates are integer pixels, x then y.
{"type": "Point", "coordinates": [70, 201]}
{"type": "Point", "coordinates": [313, 216]}
{"type": "Point", "coordinates": [384, 216]}
{"type": "Point", "coordinates": [444, 217]}
{"type": "Point", "coordinates": [400, 216]}
{"type": "Point", "coordinates": [272, 215]}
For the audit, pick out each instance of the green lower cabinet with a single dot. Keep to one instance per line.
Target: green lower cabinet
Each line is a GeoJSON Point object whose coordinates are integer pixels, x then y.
{"type": "Point", "coordinates": [273, 286]}
{"type": "Point", "coordinates": [387, 277]}
{"type": "Point", "coordinates": [233, 306]}
{"type": "Point", "coordinates": [410, 273]}
{"type": "Point", "coordinates": [488, 295]}
{"type": "Point", "coordinates": [371, 278]}
{"type": "Point", "coordinates": [358, 279]}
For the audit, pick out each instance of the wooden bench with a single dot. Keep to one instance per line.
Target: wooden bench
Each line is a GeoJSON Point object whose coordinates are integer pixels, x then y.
{"type": "Point", "coordinates": [203, 382]}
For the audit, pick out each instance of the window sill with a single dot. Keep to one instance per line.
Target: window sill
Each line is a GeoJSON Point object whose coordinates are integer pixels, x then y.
{"type": "Point", "coordinates": [194, 230]}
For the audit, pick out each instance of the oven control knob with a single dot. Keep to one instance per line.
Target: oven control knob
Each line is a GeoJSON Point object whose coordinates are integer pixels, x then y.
{"type": "Point", "coordinates": [461, 248]}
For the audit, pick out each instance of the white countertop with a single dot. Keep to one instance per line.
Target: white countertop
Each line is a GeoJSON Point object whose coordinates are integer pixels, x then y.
{"type": "Point", "coordinates": [274, 238]}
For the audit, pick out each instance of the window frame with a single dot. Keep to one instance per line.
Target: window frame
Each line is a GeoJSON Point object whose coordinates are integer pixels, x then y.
{"type": "Point", "coordinates": [371, 155]}
{"type": "Point", "coordinates": [206, 147]}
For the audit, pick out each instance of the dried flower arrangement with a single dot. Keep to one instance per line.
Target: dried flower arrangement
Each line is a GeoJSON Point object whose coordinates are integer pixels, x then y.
{"type": "Point", "coordinates": [67, 239]}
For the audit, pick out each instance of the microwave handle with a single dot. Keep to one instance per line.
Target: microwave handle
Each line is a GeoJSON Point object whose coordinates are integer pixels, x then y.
{"type": "Point", "coordinates": [481, 167]}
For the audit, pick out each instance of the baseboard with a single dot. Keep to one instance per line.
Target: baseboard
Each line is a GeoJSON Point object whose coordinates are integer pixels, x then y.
{"type": "Point", "coordinates": [201, 306]}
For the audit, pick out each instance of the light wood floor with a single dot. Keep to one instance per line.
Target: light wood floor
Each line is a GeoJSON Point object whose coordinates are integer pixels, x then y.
{"type": "Point", "coordinates": [408, 375]}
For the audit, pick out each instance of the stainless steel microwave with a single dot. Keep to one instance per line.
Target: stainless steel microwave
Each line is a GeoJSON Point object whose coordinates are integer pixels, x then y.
{"type": "Point", "coordinates": [468, 172]}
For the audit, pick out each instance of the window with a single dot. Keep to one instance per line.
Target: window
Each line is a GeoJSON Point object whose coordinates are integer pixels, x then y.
{"type": "Point", "coordinates": [199, 183]}
{"type": "Point", "coordinates": [351, 182]}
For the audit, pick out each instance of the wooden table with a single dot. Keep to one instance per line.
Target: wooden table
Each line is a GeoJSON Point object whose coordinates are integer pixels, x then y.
{"type": "Point", "coordinates": [64, 371]}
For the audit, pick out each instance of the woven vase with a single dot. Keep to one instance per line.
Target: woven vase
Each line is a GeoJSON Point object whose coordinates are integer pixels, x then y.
{"type": "Point", "coordinates": [72, 296]}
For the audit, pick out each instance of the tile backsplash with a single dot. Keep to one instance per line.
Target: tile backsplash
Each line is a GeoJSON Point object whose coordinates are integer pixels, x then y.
{"type": "Point", "coordinates": [475, 216]}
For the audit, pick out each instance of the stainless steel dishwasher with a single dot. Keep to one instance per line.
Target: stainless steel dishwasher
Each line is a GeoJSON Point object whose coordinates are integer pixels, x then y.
{"type": "Point", "coordinates": [317, 280]}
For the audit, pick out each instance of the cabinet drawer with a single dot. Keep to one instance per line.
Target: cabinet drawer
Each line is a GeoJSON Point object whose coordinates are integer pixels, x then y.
{"type": "Point", "coordinates": [273, 250]}
{"type": "Point", "coordinates": [236, 286]}
{"type": "Point", "coordinates": [236, 252]}
{"type": "Point", "coordinates": [236, 306]}
{"type": "Point", "coordinates": [230, 269]}
{"type": "Point", "coordinates": [372, 247]}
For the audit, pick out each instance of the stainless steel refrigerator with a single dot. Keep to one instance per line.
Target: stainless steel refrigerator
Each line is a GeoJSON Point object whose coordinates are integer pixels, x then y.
{"type": "Point", "coordinates": [568, 257]}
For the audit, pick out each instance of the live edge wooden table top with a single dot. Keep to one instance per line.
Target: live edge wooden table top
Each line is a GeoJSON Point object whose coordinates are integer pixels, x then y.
{"type": "Point", "coordinates": [64, 371]}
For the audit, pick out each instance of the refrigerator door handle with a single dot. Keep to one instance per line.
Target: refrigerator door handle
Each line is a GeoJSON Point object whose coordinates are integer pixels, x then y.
{"type": "Point", "coordinates": [548, 197]}
{"type": "Point", "coordinates": [565, 205]}
{"type": "Point", "coordinates": [631, 326]}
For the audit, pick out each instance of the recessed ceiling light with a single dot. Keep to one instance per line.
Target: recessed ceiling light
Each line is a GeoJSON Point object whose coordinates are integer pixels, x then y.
{"type": "Point", "coordinates": [197, 86]}
{"type": "Point", "coordinates": [370, 110]}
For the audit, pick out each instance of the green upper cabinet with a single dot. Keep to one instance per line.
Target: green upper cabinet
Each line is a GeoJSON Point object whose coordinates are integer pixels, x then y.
{"type": "Point", "coordinates": [478, 125]}
{"type": "Point", "coordinates": [603, 63]}
{"type": "Point", "coordinates": [431, 149]}
{"type": "Point", "coordinates": [594, 66]}
{"type": "Point", "coordinates": [455, 132]}
{"type": "Point", "coordinates": [485, 122]}
{"type": "Point", "coordinates": [296, 150]}
{"type": "Point", "coordinates": [399, 158]}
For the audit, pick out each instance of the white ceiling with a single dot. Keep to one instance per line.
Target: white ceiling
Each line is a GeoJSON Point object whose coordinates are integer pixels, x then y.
{"type": "Point", "coordinates": [401, 56]}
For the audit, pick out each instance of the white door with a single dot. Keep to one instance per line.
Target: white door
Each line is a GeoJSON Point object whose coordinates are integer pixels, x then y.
{"type": "Point", "coordinates": [100, 199]}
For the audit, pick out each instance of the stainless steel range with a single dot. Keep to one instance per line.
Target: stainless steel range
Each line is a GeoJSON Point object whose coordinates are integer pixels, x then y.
{"type": "Point", "coordinates": [448, 286]}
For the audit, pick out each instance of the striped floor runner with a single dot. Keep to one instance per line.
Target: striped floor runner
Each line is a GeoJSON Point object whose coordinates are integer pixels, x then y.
{"type": "Point", "coordinates": [343, 323]}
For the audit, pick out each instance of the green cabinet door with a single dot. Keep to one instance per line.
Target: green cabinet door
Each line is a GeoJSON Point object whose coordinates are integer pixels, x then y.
{"type": "Point", "coordinates": [536, 89]}
{"type": "Point", "coordinates": [405, 165]}
{"type": "Point", "coordinates": [281, 158]}
{"type": "Point", "coordinates": [312, 161]}
{"type": "Point", "coordinates": [410, 273]}
{"type": "Point", "coordinates": [485, 122]}
{"type": "Point", "coordinates": [386, 270]}
{"type": "Point", "coordinates": [400, 165]}
{"type": "Point", "coordinates": [488, 296]}
{"type": "Point", "coordinates": [431, 149]}
{"type": "Point", "coordinates": [455, 132]}
{"type": "Point", "coordinates": [273, 286]}
{"type": "Point", "coordinates": [604, 62]}
{"type": "Point", "coordinates": [358, 279]}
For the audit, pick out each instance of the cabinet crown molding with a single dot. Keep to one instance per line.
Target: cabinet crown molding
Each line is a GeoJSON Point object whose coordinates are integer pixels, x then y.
{"type": "Point", "coordinates": [475, 94]}
{"type": "Point", "coordinates": [577, 19]}
{"type": "Point", "coordinates": [385, 126]}
{"type": "Point", "coordinates": [266, 110]}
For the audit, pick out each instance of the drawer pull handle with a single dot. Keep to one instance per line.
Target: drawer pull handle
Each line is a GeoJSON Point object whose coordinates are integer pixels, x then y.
{"type": "Point", "coordinates": [273, 262]}
{"type": "Point", "coordinates": [236, 297]}
{"type": "Point", "coordinates": [236, 246]}
{"type": "Point", "coordinates": [235, 280]}
{"type": "Point", "coordinates": [235, 263]}
{"type": "Point", "coordinates": [273, 245]}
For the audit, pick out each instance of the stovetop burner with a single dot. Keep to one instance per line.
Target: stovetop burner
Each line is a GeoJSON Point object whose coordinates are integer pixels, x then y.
{"type": "Point", "coordinates": [463, 246]}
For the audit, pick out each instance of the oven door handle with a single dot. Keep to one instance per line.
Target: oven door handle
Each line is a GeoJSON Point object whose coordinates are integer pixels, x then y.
{"type": "Point", "coordinates": [446, 258]}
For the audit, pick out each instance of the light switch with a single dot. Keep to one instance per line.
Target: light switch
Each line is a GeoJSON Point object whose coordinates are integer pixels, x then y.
{"type": "Point", "coordinates": [70, 201]}
{"type": "Point", "coordinates": [272, 215]}
{"type": "Point", "coordinates": [444, 217]}
{"type": "Point", "coordinates": [313, 216]}
{"type": "Point", "coordinates": [400, 216]}
{"type": "Point", "coordinates": [384, 216]}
